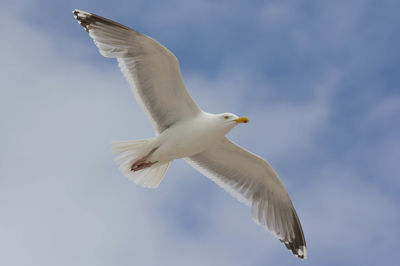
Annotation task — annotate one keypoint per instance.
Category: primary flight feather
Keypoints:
(183, 130)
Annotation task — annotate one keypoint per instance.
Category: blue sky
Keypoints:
(318, 79)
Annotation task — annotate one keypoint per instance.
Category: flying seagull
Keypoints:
(183, 130)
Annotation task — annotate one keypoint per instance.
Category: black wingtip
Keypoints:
(298, 251)
(298, 244)
(83, 18)
(86, 19)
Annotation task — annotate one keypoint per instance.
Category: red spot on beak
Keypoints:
(242, 120)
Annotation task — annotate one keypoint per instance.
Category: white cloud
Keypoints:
(63, 201)
(347, 217)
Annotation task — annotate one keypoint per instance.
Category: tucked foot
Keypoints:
(139, 166)
(141, 163)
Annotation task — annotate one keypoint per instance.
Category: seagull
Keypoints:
(183, 130)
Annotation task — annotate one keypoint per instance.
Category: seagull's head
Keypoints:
(229, 120)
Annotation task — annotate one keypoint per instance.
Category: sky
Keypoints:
(319, 80)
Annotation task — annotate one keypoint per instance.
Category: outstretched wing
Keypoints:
(151, 69)
(252, 180)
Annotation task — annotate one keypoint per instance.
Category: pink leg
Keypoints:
(141, 163)
(141, 166)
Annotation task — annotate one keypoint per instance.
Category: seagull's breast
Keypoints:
(186, 138)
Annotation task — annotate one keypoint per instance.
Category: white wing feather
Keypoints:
(151, 69)
(253, 181)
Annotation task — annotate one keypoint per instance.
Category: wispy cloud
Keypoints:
(319, 91)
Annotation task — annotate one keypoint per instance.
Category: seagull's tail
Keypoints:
(127, 152)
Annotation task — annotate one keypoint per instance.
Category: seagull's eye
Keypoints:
(226, 116)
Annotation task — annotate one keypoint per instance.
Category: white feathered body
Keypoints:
(187, 138)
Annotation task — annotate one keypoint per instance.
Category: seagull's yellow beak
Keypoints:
(242, 119)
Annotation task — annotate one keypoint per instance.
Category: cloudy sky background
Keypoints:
(318, 79)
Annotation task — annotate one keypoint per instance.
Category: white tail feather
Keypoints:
(127, 152)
